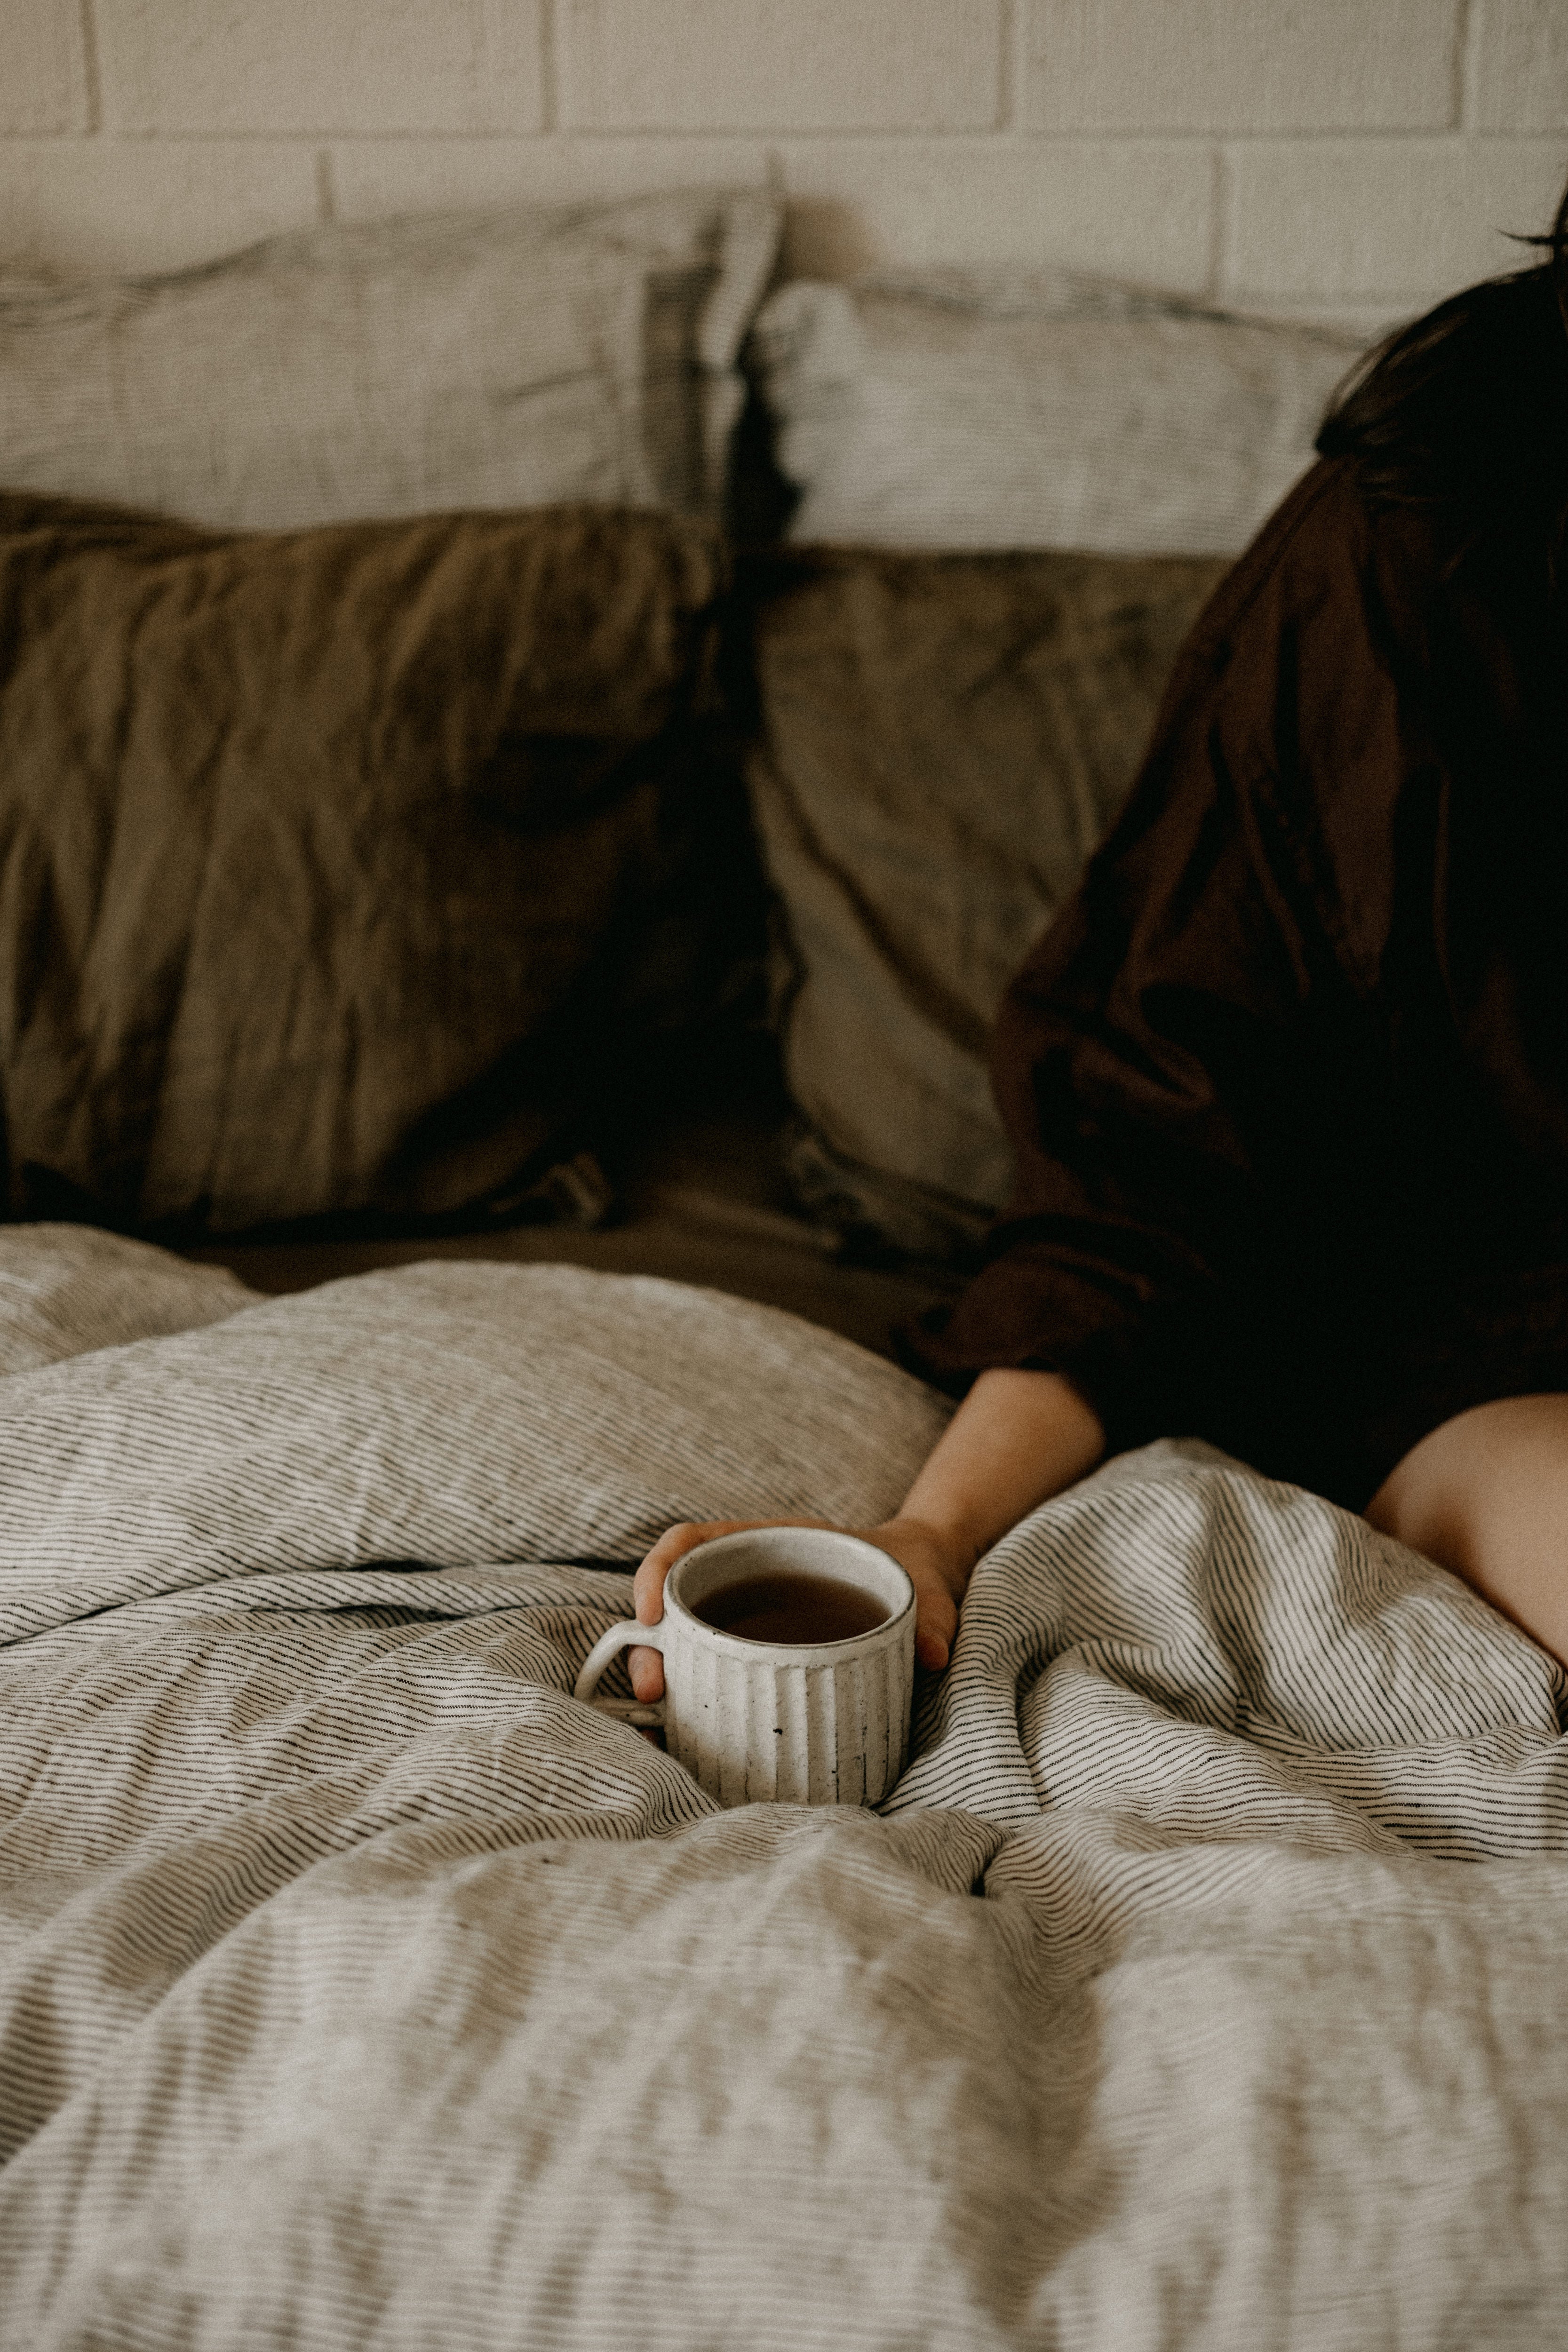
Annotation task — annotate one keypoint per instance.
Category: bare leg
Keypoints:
(1486, 1495)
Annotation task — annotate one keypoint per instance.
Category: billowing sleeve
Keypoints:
(1182, 1062)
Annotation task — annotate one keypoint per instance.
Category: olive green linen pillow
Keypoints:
(342, 871)
(943, 740)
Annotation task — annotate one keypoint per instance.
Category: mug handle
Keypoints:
(628, 1635)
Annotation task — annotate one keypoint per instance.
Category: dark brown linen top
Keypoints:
(1287, 1078)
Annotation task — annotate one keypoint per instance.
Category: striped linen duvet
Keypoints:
(1204, 1983)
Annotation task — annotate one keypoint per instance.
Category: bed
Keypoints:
(1200, 1984)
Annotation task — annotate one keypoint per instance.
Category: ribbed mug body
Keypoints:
(759, 1722)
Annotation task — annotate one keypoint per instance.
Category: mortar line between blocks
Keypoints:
(1010, 65)
(91, 71)
(1221, 200)
(549, 67)
(1470, 29)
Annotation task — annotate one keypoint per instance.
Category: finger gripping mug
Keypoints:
(778, 1721)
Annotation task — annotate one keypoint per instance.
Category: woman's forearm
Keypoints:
(1016, 1439)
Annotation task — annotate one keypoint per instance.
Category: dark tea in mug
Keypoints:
(794, 1610)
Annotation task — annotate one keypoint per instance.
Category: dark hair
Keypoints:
(1465, 412)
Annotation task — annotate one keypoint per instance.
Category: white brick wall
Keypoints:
(1521, 66)
(373, 177)
(1322, 220)
(1140, 209)
(43, 67)
(1267, 65)
(808, 65)
(1343, 157)
(178, 67)
(103, 204)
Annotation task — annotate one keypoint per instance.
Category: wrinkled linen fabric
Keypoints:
(1200, 1985)
(1014, 408)
(945, 740)
(347, 872)
(67, 1289)
(515, 357)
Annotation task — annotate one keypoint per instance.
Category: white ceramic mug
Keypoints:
(766, 1722)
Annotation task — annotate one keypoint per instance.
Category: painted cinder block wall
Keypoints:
(1349, 159)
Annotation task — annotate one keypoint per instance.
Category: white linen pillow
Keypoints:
(489, 360)
(1023, 410)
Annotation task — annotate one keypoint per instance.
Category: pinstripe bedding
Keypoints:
(1201, 1984)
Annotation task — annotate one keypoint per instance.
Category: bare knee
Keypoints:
(1486, 1496)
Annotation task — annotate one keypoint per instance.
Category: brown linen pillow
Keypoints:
(343, 869)
(943, 741)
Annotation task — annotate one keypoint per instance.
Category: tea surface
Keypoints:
(793, 1609)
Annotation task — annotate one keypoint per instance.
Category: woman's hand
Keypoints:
(1017, 1438)
(937, 1569)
